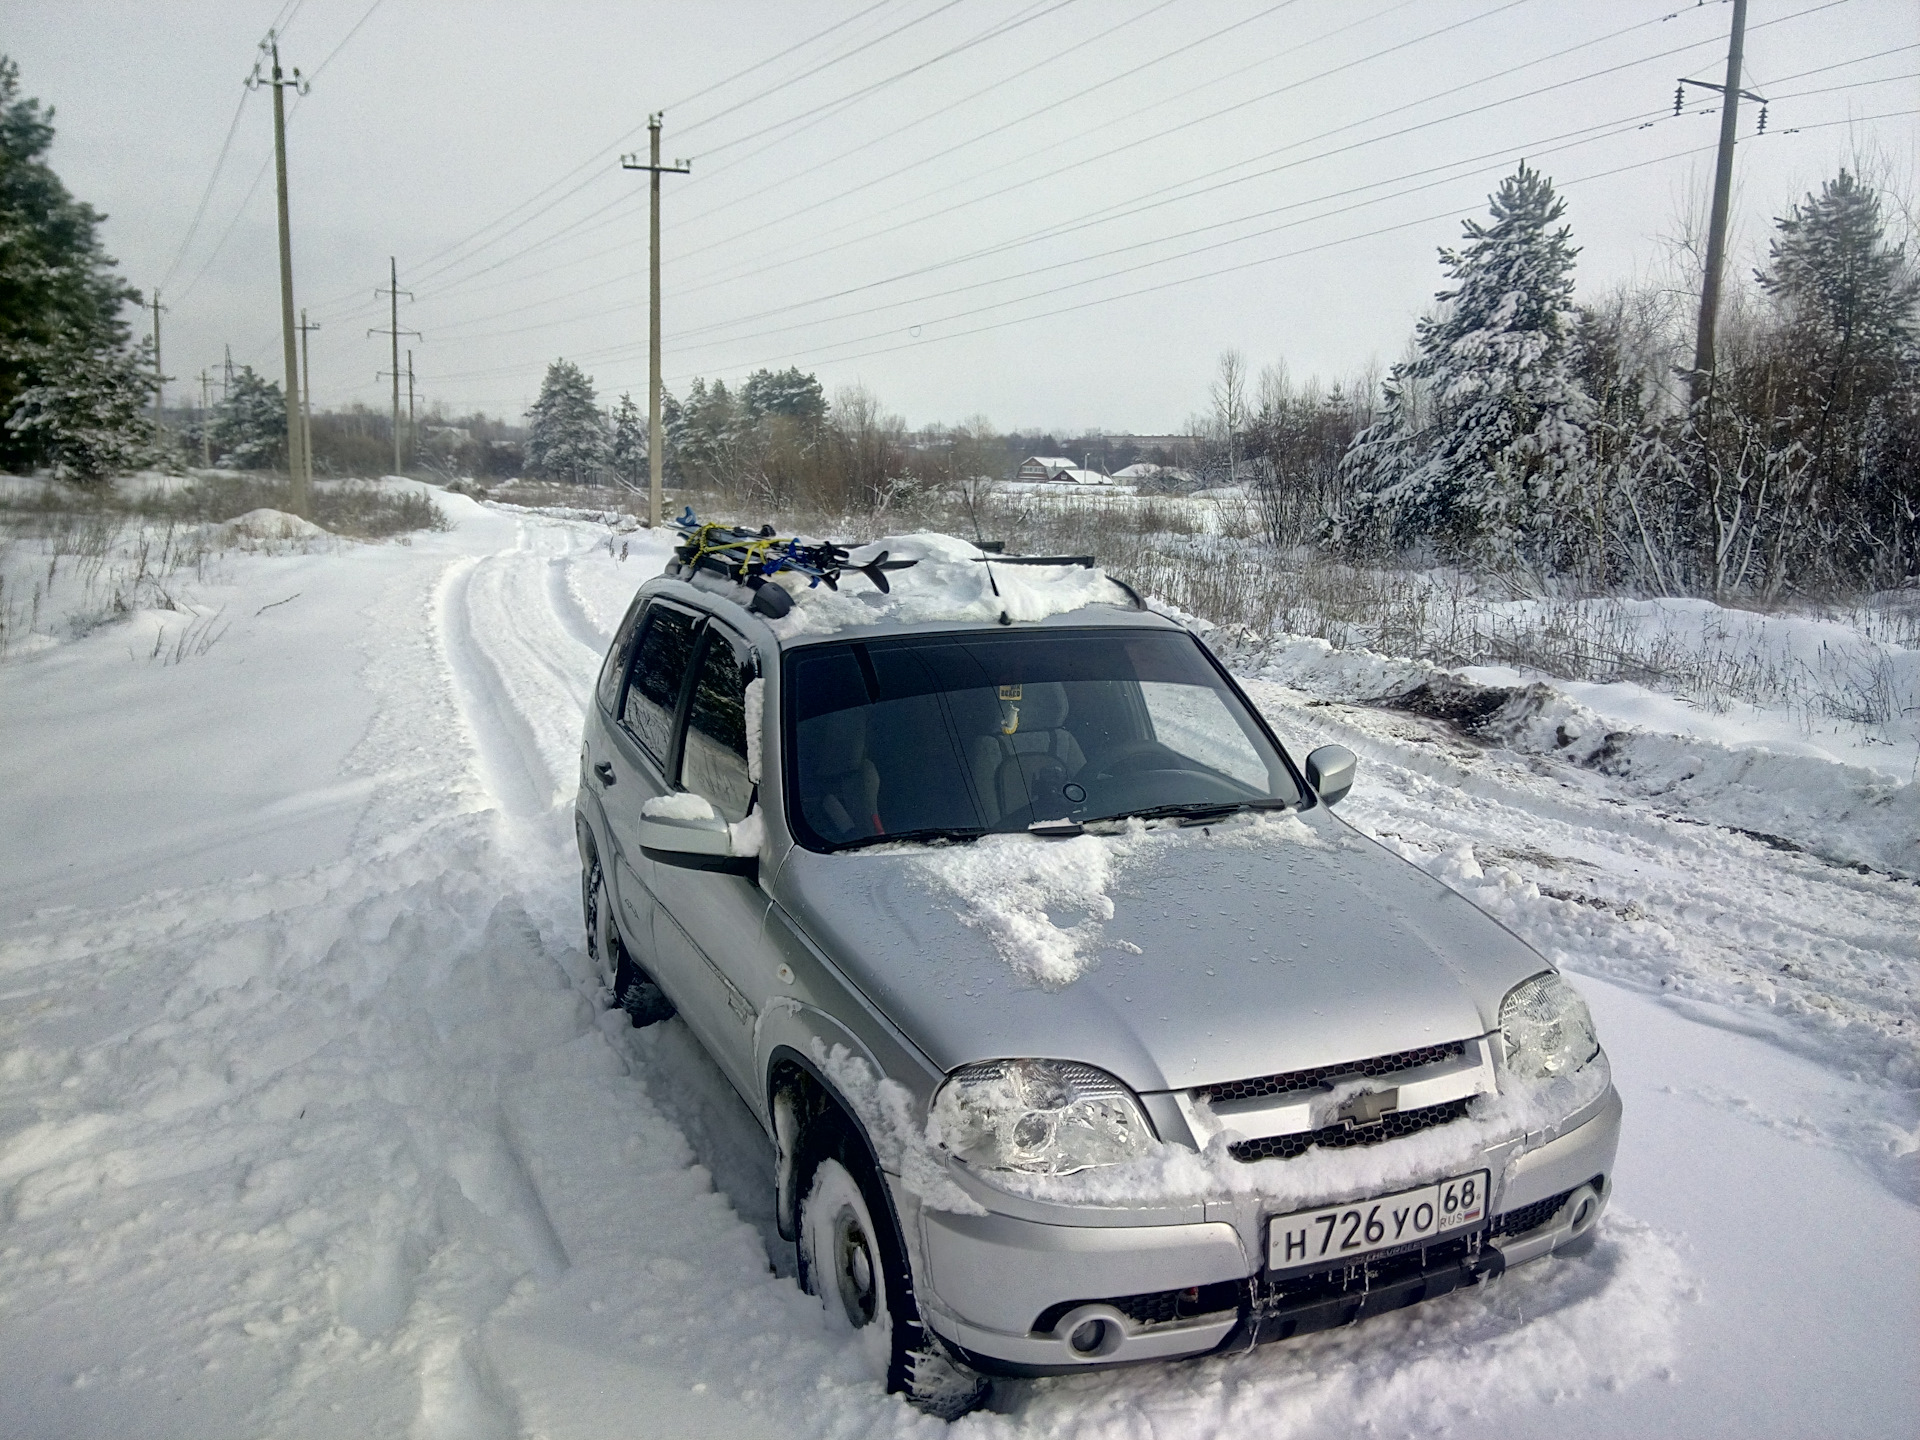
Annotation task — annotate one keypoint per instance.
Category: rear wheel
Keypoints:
(630, 987)
(851, 1257)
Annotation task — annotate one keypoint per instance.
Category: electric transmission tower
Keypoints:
(394, 292)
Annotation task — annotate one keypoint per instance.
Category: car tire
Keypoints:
(851, 1257)
(629, 987)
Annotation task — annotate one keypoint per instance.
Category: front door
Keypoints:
(709, 925)
(640, 753)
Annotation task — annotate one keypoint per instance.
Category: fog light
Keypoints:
(1092, 1332)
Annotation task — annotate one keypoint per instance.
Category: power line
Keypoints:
(941, 154)
(922, 119)
(1585, 135)
(262, 174)
(918, 120)
(345, 38)
(1609, 126)
(1089, 160)
(206, 196)
(1272, 259)
(1138, 204)
(983, 135)
(599, 155)
(940, 9)
(993, 32)
(731, 277)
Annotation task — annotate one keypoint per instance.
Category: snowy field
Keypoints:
(308, 1125)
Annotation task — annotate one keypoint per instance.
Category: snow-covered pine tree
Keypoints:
(1850, 301)
(628, 452)
(1502, 448)
(786, 392)
(250, 425)
(567, 434)
(73, 392)
(90, 411)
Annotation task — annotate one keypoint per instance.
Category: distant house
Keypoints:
(1043, 467)
(1148, 474)
(1053, 469)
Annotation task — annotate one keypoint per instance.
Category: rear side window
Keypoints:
(615, 670)
(659, 671)
(714, 763)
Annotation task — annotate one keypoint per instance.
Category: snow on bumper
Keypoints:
(1010, 1290)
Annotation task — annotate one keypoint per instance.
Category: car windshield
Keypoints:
(920, 737)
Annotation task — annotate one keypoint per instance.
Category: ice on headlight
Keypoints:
(1548, 1029)
(1042, 1117)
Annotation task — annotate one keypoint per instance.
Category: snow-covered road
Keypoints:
(308, 1126)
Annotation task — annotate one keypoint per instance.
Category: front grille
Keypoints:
(1263, 1086)
(1530, 1217)
(1391, 1126)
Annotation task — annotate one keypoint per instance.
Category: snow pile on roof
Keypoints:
(952, 581)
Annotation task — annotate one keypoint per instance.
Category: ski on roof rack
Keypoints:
(752, 557)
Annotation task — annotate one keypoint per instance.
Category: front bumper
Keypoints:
(1007, 1291)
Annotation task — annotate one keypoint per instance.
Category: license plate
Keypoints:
(1339, 1234)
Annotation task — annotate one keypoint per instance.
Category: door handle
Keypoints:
(605, 771)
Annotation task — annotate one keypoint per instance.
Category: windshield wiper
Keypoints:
(929, 832)
(1195, 810)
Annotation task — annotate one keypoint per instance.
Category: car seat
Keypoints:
(840, 789)
(1033, 755)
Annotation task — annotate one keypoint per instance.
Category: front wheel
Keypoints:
(850, 1256)
(631, 988)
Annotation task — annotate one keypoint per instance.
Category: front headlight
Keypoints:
(1547, 1028)
(1041, 1117)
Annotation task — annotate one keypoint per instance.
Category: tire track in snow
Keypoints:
(568, 610)
(506, 753)
(1821, 960)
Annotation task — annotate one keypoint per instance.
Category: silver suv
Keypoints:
(1084, 1032)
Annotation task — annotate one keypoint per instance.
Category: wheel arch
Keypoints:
(800, 1093)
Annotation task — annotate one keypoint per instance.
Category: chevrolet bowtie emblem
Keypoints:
(1367, 1109)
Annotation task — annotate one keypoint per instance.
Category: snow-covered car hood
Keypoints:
(1170, 956)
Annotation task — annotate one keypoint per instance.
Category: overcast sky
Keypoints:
(1055, 213)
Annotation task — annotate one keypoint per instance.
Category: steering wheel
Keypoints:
(1129, 756)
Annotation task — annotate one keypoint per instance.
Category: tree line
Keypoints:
(1533, 435)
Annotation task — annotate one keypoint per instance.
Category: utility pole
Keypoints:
(306, 389)
(226, 377)
(206, 420)
(297, 467)
(159, 380)
(679, 167)
(1701, 381)
(381, 375)
(394, 292)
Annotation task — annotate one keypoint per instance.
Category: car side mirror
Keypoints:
(685, 830)
(1330, 773)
